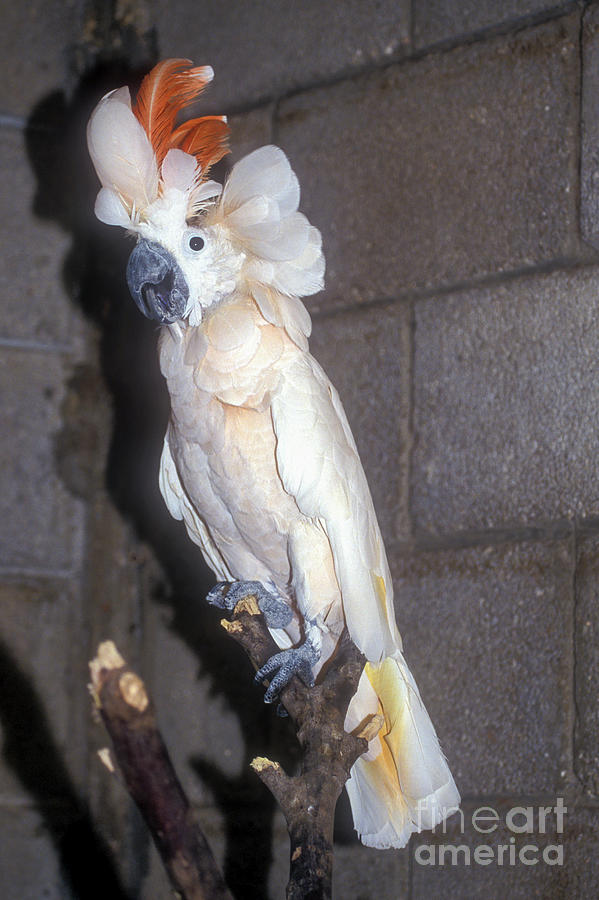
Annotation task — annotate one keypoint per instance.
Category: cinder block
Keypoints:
(262, 50)
(586, 754)
(43, 713)
(40, 522)
(249, 131)
(487, 634)
(33, 44)
(589, 151)
(505, 397)
(435, 21)
(362, 873)
(366, 355)
(442, 169)
(35, 302)
(533, 863)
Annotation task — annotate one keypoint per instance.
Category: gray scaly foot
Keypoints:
(287, 663)
(227, 594)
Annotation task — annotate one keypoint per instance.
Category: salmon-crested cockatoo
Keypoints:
(259, 460)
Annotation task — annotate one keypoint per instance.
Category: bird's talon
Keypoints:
(220, 596)
(296, 661)
(227, 594)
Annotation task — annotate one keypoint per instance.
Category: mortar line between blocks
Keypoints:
(555, 266)
(553, 530)
(408, 390)
(575, 718)
(509, 28)
(31, 344)
(577, 163)
(39, 574)
(572, 711)
(8, 120)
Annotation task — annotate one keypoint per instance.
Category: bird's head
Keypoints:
(197, 242)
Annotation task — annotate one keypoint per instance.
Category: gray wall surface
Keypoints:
(448, 150)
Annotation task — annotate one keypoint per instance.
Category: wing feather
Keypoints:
(319, 466)
(180, 507)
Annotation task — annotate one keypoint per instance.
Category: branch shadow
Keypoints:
(94, 276)
(29, 749)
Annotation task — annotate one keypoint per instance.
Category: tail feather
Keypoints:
(403, 783)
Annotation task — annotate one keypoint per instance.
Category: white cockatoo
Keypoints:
(259, 460)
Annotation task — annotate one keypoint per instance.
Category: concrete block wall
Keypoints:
(448, 151)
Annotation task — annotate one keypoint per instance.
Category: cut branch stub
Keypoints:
(129, 717)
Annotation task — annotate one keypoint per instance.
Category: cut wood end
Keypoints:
(108, 657)
(231, 627)
(247, 604)
(372, 727)
(106, 759)
(260, 763)
(133, 691)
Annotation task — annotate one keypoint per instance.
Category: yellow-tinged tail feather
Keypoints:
(403, 783)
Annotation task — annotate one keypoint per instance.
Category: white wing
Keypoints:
(319, 465)
(180, 507)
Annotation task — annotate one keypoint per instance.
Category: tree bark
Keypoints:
(143, 759)
(308, 799)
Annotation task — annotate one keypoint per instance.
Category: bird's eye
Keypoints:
(196, 242)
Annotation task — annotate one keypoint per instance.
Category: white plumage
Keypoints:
(259, 460)
(121, 152)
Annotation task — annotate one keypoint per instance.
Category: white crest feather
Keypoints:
(284, 252)
(109, 209)
(179, 170)
(121, 152)
(202, 193)
(265, 172)
(259, 204)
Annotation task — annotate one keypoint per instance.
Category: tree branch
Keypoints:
(307, 799)
(129, 717)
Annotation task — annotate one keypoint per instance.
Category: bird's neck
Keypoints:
(234, 355)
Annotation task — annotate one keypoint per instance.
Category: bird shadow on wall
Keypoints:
(94, 276)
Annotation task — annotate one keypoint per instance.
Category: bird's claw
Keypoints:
(286, 664)
(278, 614)
(227, 594)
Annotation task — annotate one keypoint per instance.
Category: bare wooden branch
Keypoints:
(129, 717)
(308, 799)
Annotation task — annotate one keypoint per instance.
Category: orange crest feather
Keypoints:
(164, 92)
(205, 138)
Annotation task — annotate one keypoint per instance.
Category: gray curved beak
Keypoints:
(156, 282)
